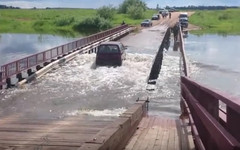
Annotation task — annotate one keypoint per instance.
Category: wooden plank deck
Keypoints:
(156, 133)
(18, 133)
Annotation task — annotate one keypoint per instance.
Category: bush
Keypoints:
(38, 24)
(106, 12)
(135, 12)
(96, 23)
(123, 8)
(64, 21)
(224, 17)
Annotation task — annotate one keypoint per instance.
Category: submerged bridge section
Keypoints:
(209, 119)
(203, 125)
(17, 71)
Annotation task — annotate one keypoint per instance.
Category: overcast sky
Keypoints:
(99, 3)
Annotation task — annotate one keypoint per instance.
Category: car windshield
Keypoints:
(108, 49)
(183, 19)
(183, 16)
(146, 21)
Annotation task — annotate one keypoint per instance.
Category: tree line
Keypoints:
(8, 7)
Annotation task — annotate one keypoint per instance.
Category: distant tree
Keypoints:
(8, 7)
(123, 8)
(135, 12)
(96, 23)
(106, 12)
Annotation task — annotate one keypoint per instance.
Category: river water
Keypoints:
(16, 46)
(215, 61)
(79, 87)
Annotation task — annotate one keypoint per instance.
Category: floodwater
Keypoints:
(215, 61)
(16, 46)
(79, 87)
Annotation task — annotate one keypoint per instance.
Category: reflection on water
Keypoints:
(16, 46)
(216, 60)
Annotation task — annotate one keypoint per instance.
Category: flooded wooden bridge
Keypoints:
(202, 125)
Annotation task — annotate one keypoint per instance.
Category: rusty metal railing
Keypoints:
(212, 128)
(203, 105)
(15, 67)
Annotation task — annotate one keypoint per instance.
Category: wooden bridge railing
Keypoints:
(15, 67)
(212, 127)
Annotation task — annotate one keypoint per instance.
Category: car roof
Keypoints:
(111, 43)
(183, 13)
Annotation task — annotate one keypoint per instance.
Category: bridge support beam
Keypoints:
(30, 72)
(46, 63)
(19, 77)
(176, 42)
(176, 45)
(1, 86)
(38, 67)
(9, 83)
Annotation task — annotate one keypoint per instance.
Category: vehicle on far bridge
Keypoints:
(183, 22)
(183, 19)
(183, 15)
(155, 17)
(110, 53)
(165, 12)
(161, 10)
(146, 23)
(171, 9)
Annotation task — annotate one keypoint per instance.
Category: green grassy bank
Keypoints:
(219, 21)
(53, 21)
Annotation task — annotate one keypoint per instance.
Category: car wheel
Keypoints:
(120, 63)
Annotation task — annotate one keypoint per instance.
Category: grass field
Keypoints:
(220, 21)
(52, 21)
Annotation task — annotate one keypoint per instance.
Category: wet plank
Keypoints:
(156, 133)
(18, 133)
